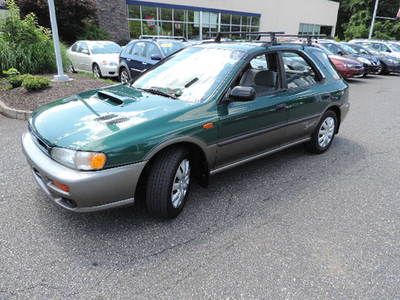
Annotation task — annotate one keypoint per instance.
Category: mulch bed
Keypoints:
(19, 98)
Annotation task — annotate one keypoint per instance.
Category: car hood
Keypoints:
(109, 57)
(88, 118)
(344, 60)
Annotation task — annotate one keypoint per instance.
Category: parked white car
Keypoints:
(99, 57)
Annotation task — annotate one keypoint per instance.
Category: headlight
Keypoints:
(364, 60)
(109, 63)
(86, 161)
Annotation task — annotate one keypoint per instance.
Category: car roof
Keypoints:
(252, 46)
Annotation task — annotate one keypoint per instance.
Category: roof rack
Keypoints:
(274, 35)
(271, 34)
(167, 37)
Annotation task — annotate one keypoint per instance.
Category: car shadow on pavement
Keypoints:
(248, 193)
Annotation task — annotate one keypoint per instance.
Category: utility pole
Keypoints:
(371, 30)
(54, 31)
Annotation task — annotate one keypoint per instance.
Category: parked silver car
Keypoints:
(99, 57)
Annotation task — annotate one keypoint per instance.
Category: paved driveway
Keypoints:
(292, 225)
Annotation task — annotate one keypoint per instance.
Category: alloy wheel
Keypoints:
(181, 182)
(326, 132)
(124, 76)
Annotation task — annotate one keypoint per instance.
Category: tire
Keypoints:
(124, 76)
(384, 71)
(161, 194)
(96, 71)
(70, 67)
(321, 142)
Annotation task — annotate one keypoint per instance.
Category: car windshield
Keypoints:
(395, 47)
(360, 49)
(348, 49)
(105, 48)
(170, 47)
(190, 75)
(335, 49)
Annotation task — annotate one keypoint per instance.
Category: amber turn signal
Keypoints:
(61, 186)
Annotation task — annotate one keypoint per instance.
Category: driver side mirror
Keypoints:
(389, 51)
(341, 53)
(155, 57)
(242, 93)
(85, 51)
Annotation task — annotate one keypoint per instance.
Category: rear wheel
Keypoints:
(324, 134)
(96, 71)
(168, 183)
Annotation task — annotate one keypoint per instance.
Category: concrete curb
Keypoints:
(14, 113)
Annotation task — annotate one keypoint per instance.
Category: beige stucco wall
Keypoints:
(276, 15)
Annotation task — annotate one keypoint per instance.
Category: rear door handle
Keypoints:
(280, 107)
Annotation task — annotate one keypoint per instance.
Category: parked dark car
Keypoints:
(390, 63)
(139, 55)
(371, 64)
(206, 109)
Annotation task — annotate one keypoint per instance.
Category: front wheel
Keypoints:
(168, 183)
(96, 71)
(324, 134)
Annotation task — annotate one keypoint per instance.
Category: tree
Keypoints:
(72, 15)
(355, 17)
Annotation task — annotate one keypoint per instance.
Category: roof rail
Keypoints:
(305, 36)
(167, 37)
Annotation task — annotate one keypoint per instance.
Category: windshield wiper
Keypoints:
(158, 92)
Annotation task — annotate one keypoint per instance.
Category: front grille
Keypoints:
(40, 142)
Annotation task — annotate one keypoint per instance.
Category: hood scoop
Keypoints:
(113, 98)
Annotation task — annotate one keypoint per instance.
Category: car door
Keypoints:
(85, 57)
(136, 58)
(254, 127)
(306, 94)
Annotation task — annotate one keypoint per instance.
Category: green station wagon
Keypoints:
(203, 110)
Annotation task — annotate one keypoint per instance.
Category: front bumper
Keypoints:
(393, 68)
(109, 71)
(373, 69)
(88, 190)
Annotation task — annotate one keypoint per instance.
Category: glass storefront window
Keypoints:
(150, 20)
(166, 14)
(149, 12)
(166, 28)
(179, 15)
(255, 21)
(134, 11)
(236, 19)
(225, 19)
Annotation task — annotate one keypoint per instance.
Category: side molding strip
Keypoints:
(251, 158)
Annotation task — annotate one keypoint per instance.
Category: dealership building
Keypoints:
(198, 19)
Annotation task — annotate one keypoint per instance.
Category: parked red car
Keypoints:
(348, 68)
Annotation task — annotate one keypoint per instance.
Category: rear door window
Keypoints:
(298, 72)
(139, 49)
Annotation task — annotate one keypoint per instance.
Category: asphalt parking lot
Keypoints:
(292, 225)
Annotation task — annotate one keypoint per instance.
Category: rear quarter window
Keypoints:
(325, 61)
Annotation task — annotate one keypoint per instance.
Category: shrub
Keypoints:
(11, 72)
(91, 31)
(16, 81)
(35, 83)
(70, 13)
(25, 45)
